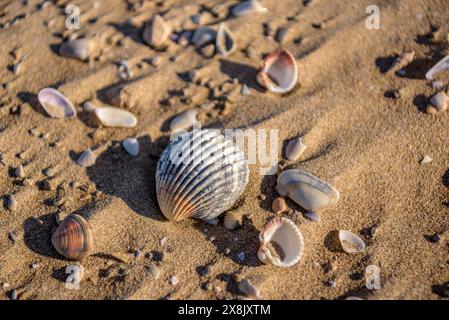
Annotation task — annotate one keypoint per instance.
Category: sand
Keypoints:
(366, 144)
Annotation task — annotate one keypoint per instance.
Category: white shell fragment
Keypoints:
(200, 174)
(426, 159)
(56, 104)
(131, 145)
(350, 242)
(295, 149)
(87, 159)
(184, 120)
(225, 41)
(249, 6)
(248, 289)
(157, 32)
(308, 191)
(76, 49)
(442, 65)
(287, 237)
(115, 117)
(440, 101)
(279, 72)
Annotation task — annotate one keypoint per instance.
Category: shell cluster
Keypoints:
(200, 174)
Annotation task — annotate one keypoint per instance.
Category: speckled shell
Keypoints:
(73, 238)
(200, 174)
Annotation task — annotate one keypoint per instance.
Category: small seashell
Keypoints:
(56, 104)
(19, 172)
(184, 120)
(11, 203)
(295, 149)
(426, 159)
(279, 205)
(245, 90)
(76, 49)
(250, 291)
(442, 65)
(440, 101)
(115, 117)
(249, 6)
(308, 191)
(87, 159)
(225, 41)
(174, 280)
(203, 36)
(73, 238)
(200, 174)
(287, 237)
(350, 242)
(157, 32)
(402, 61)
(233, 220)
(279, 72)
(131, 145)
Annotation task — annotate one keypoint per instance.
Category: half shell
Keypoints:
(200, 174)
(115, 117)
(225, 41)
(350, 242)
(73, 238)
(305, 189)
(56, 104)
(246, 7)
(287, 237)
(279, 72)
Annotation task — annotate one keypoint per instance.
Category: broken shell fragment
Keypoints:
(287, 240)
(248, 289)
(56, 104)
(184, 120)
(295, 149)
(440, 101)
(233, 220)
(225, 41)
(442, 65)
(249, 6)
(157, 32)
(76, 49)
(87, 159)
(115, 117)
(73, 238)
(350, 242)
(279, 72)
(131, 145)
(308, 191)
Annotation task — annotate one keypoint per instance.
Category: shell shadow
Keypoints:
(331, 241)
(129, 30)
(37, 235)
(385, 63)
(244, 73)
(421, 102)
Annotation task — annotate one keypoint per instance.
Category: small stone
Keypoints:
(12, 236)
(13, 295)
(87, 159)
(137, 253)
(227, 251)
(332, 284)
(20, 172)
(241, 256)
(174, 280)
(49, 172)
(11, 203)
(249, 290)
(281, 35)
(194, 75)
(131, 145)
(279, 205)
(156, 61)
(153, 271)
(426, 159)
(437, 85)
(35, 266)
(312, 216)
(245, 90)
(435, 238)
(208, 51)
(163, 241)
(440, 101)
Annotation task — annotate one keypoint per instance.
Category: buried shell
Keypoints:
(308, 191)
(279, 72)
(249, 6)
(225, 41)
(157, 32)
(287, 237)
(115, 117)
(56, 104)
(201, 174)
(350, 242)
(73, 238)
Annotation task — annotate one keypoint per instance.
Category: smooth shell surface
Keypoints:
(131, 145)
(308, 191)
(115, 117)
(200, 174)
(286, 235)
(225, 41)
(295, 149)
(442, 65)
(184, 120)
(87, 159)
(279, 72)
(350, 242)
(76, 49)
(249, 6)
(56, 104)
(73, 238)
(156, 32)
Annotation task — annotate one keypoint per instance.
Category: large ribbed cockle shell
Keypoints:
(201, 174)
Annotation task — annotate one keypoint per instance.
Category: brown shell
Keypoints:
(73, 238)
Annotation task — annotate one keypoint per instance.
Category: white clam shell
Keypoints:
(279, 72)
(56, 104)
(308, 191)
(87, 159)
(225, 41)
(76, 49)
(184, 120)
(249, 6)
(131, 145)
(157, 32)
(200, 174)
(442, 65)
(287, 236)
(350, 242)
(115, 117)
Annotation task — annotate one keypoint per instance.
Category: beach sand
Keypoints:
(366, 144)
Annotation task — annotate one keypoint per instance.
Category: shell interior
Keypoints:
(225, 42)
(279, 72)
(56, 104)
(350, 242)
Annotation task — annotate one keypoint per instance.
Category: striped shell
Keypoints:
(200, 174)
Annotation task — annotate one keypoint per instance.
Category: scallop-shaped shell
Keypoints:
(249, 6)
(200, 174)
(285, 234)
(308, 191)
(279, 72)
(225, 41)
(115, 117)
(73, 238)
(442, 65)
(350, 242)
(56, 104)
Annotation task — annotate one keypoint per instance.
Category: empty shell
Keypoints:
(56, 104)
(76, 49)
(225, 41)
(200, 174)
(249, 6)
(308, 191)
(442, 65)
(350, 242)
(157, 32)
(279, 72)
(73, 238)
(285, 236)
(115, 117)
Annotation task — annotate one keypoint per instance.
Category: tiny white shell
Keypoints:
(308, 191)
(295, 149)
(248, 6)
(350, 242)
(442, 65)
(287, 236)
(87, 159)
(115, 117)
(76, 49)
(131, 145)
(184, 120)
(225, 41)
(279, 72)
(56, 104)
